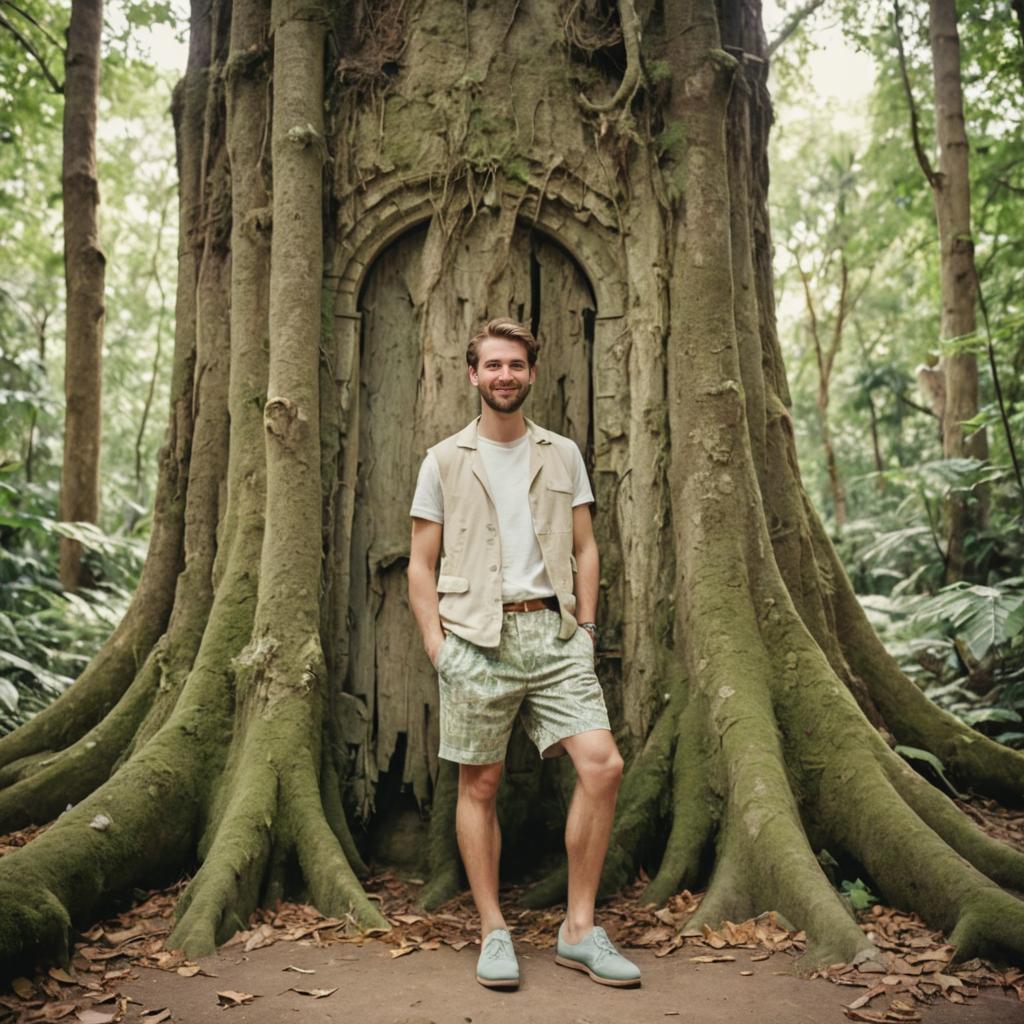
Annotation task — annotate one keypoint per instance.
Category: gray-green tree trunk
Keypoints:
(423, 167)
(84, 265)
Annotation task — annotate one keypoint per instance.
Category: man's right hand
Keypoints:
(434, 648)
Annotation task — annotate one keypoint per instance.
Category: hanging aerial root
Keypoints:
(633, 77)
(994, 859)
(693, 811)
(442, 844)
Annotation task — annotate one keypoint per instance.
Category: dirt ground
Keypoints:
(292, 963)
(438, 987)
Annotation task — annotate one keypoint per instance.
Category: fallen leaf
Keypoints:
(229, 998)
(866, 998)
(409, 918)
(101, 823)
(316, 993)
(189, 970)
(401, 951)
(746, 974)
(711, 959)
(298, 970)
(95, 1017)
(155, 1016)
(431, 944)
(58, 974)
(760, 956)
(23, 987)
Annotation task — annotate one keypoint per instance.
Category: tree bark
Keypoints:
(347, 220)
(958, 276)
(84, 266)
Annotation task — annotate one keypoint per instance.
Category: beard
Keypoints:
(505, 403)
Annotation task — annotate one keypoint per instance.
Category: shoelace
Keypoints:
(499, 948)
(603, 943)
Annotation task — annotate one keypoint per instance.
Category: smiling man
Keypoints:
(509, 625)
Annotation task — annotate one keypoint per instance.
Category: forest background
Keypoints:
(857, 277)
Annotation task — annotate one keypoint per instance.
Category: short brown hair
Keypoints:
(503, 327)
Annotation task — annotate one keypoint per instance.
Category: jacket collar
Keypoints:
(467, 437)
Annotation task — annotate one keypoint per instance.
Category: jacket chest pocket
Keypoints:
(555, 513)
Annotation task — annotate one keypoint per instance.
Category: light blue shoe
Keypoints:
(596, 955)
(497, 966)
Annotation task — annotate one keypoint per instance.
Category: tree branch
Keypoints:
(922, 157)
(31, 50)
(990, 348)
(42, 28)
(792, 23)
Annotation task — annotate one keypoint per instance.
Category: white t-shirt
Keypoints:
(507, 465)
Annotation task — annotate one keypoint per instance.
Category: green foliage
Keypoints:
(926, 757)
(47, 636)
(848, 196)
(857, 894)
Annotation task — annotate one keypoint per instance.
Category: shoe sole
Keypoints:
(614, 982)
(497, 982)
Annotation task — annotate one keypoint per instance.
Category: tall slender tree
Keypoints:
(954, 392)
(360, 187)
(84, 265)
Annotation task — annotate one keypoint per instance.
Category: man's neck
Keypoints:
(503, 427)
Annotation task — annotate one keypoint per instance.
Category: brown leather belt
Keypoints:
(535, 604)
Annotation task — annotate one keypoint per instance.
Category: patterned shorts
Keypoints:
(550, 683)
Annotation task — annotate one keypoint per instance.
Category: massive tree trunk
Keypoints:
(958, 276)
(279, 721)
(84, 266)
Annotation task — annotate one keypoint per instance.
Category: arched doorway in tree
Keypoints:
(417, 314)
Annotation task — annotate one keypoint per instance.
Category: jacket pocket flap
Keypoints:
(452, 584)
(561, 485)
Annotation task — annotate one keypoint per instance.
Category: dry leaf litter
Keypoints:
(917, 967)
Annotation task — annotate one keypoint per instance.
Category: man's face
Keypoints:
(503, 375)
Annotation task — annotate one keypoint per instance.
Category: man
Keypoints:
(511, 632)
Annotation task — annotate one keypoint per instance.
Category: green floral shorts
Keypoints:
(550, 683)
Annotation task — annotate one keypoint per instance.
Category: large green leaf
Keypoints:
(928, 758)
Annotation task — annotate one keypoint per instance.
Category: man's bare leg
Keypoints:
(479, 837)
(588, 826)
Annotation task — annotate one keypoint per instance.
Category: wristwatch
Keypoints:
(591, 628)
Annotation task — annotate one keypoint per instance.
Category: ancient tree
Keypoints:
(264, 710)
(84, 273)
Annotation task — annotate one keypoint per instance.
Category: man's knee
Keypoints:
(479, 782)
(601, 773)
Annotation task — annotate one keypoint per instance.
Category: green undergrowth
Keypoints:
(962, 643)
(47, 636)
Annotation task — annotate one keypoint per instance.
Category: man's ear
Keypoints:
(474, 378)
(533, 373)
